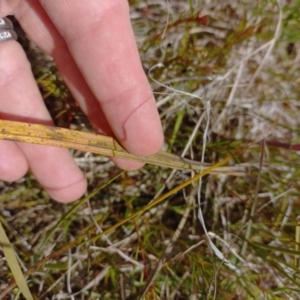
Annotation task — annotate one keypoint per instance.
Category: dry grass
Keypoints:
(230, 76)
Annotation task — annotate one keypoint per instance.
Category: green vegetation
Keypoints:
(226, 73)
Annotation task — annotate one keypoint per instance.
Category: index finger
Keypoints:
(101, 40)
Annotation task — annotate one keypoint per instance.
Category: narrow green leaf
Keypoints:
(57, 266)
(13, 264)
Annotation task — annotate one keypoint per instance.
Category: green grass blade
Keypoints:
(13, 264)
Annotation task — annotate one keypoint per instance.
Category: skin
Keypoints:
(94, 47)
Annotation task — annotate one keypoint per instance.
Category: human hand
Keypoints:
(94, 47)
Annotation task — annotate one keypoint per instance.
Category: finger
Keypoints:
(13, 163)
(102, 43)
(7, 7)
(40, 29)
(20, 99)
